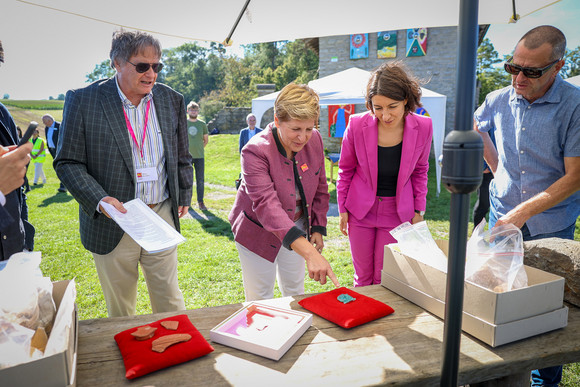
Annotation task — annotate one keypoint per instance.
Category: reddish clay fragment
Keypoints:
(144, 332)
(171, 325)
(162, 343)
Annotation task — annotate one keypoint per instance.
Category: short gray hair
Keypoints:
(537, 36)
(129, 43)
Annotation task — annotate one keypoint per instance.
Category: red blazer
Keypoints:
(263, 212)
(356, 185)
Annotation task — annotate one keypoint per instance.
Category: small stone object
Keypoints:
(171, 325)
(345, 298)
(162, 343)
(144, 333)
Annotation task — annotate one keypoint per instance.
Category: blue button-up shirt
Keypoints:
(532, 140)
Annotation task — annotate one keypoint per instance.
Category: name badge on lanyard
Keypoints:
(146, 174)
(130, 128)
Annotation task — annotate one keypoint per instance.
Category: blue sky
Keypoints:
(48, 53)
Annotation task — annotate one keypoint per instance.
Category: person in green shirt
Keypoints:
(198, 139)
(38, 155)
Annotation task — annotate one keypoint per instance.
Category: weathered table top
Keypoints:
(404, 348)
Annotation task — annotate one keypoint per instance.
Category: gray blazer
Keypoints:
(94, 156)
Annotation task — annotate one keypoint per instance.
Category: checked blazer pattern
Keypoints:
(94, 156)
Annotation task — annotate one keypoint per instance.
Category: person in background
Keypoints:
(536, 165)
(481, 207)
(382, 175)
(38, 155)
(51, 132)
(198, 139)
(125, 138)
(26, 185)
(247, 133)
(279, 214)
(13, 162)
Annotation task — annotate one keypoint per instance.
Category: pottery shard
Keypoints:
(144, 332)
(560, 257)
(171, 325)
(162, 343)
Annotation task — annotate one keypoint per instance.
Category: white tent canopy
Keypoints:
(574, 80)
(349, 87)
(268, 20)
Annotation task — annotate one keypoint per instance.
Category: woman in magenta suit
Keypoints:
(382, 176)
(279, 215)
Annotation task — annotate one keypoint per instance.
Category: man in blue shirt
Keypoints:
(537, 163)
(247, 133)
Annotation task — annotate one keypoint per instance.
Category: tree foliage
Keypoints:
(572, 66)
(490, 77)
(214, 80)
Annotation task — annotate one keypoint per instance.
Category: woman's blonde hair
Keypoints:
(297, 102)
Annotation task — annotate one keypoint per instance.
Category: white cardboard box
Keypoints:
(544, 293)
(60, 368)
(262, 329)
(492, 334)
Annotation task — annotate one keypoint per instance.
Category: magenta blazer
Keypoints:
(263, 212)
(356, 185)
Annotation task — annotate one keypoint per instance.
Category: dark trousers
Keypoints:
(482, 204)
(199, 166)
(53, 154)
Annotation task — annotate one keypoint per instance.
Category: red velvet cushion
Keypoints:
(140, 360)
(349, 315)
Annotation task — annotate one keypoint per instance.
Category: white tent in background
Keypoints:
(574, 80)
(349, 87)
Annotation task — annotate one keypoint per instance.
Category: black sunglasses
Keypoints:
(530, 72)
(144, 67)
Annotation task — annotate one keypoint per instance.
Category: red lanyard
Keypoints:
(144, 128)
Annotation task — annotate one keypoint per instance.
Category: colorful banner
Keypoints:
(338, 119)
(359, 46)
(417, 42)
(387, 44)
(422, 112)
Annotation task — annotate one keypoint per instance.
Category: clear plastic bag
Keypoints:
(495, 258)
(25, 295)
(415, 241)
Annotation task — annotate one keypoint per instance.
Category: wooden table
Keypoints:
(404, 348)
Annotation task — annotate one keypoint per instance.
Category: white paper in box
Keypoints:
(544, 293)
(262, 329)
(58, 368)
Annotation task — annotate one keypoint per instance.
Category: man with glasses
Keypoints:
(537, 163)
(124, 138)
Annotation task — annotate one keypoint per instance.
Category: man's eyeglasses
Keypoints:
(144, 67)
(530, 72)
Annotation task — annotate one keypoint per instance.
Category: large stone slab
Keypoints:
(560, 257)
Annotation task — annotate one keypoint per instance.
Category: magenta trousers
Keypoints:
(368, 237)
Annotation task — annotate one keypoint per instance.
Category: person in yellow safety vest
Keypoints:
(38, 155)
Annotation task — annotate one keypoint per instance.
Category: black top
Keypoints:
(389, 162)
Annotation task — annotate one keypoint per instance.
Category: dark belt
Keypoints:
(152, 205)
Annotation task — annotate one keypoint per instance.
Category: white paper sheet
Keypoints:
(146, 228)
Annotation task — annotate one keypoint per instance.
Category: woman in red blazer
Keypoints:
(279, 215)
(382, 176)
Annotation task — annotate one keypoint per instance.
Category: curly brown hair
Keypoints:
(393, 80)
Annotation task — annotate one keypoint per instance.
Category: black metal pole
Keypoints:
(461, 175)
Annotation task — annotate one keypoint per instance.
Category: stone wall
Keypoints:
(438, 67)
(230, 120)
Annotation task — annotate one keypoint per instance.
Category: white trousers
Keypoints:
(39, 173)
(119, 273)
(259, 274)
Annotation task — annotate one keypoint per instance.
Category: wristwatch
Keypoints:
(422, 213)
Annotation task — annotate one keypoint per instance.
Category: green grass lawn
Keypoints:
(209, 269)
